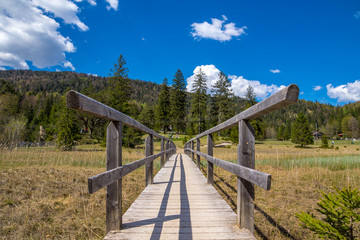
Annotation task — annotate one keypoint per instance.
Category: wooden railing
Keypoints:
(247, 176)
(115, 170)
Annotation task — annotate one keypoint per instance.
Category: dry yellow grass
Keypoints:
(43, 192)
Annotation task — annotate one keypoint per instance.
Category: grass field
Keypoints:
(43, 191)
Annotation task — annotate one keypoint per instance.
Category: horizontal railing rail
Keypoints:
(281, 99)
(112, 178)
(245, 169)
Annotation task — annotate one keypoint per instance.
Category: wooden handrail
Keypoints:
(244, 170)
(261, 179)
(281, 99)
(112, 178)
(101, 180)
(80, 102)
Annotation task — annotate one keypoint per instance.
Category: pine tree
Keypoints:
(300, 132)
(198, 101)
(163, 107)
(223, 98)
(68, 131)
(341, 211)
(178, 102)
(280, 132)
(119, 90)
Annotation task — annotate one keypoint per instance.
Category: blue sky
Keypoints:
(265, 44)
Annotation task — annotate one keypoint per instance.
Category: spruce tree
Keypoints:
(341, 215)
(178, 102)
(119, 90)
(223, 97)
(300, 132)
(163, 107)
(198, 101)
(68, 130)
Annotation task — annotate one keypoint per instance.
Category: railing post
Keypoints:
(161, 150)
(149, 150)
(113, 160)
(167, 147)
(210, 165)
(245, 190)
(198, 149)
(192, 153)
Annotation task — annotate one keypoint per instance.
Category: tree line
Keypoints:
(32, 108)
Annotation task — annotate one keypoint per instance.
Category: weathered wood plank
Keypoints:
(162, 148)
(261, 179)
(210, 165)
(282, 98)
(113, 160)
(80, 102)
(245, 189)
(149, 169)
(198, 149)
(101, 180)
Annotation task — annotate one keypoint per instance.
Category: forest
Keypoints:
(33, 108)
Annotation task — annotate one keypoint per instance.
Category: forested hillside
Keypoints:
(30, 99)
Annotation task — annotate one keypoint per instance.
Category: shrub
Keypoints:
(341, 212)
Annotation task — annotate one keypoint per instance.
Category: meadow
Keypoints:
(43, 191)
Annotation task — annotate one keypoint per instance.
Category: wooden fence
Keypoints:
(247, 176)
(115, 170)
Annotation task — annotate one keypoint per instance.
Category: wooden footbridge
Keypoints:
(179, 202)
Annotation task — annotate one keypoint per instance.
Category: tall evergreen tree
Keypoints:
(178, 102)
(163, 107)
(198, 101)
(300, 132)
(119, 90)
(223, 97)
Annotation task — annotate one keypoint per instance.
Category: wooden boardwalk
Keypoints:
(179, 205)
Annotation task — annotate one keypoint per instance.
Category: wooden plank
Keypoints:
(80, 102)
(192, 153)
(210, 165)
(149, 169)
(113, 160)
(101, 180)
(162, 146)
(261, 179)
(174, 208)
(245, 189)
(282, 98)
(198, 149)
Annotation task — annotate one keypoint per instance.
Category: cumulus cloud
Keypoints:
(317, 88)
(29, 32)
(345, 93)
(275, 70)
(113, 4)
(239, 83)
(217, 30)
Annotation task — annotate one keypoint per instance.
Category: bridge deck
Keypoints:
(179, 205)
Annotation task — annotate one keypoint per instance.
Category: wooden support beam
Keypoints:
(162, 148)
(198, 149)
(245, 189)
(261, 179)
(113, 160)
(210, 165)
(192, 153)
(149, 169)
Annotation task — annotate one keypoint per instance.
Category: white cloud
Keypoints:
(113, 4)
(345, 93)
(275, 70)
(217, 30)
(68, 64)
(239, 83)
(143, 39)
(317, 88)
(92, 2)
(357, 15)
(2, 69)
(93, 74)
(211, 73)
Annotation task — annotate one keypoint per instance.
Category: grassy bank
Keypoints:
(43, 191)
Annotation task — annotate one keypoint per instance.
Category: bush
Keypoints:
(341, 213)
(184, 140)
(324, 141)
